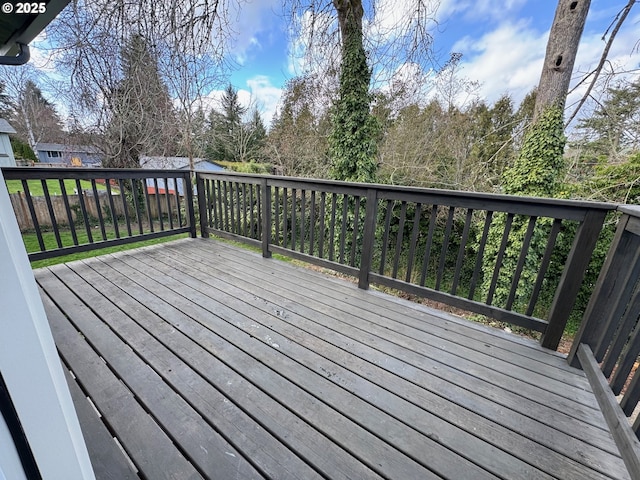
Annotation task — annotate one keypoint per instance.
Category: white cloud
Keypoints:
(253, 19)
(507, 59)
(265, 95)
(474, 11)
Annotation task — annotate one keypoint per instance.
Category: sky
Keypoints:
(502, 43)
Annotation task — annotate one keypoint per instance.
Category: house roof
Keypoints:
(61, 147)
(19, 28)
(177, 163)
(5, 127)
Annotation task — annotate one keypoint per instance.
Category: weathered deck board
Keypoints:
(252, 366)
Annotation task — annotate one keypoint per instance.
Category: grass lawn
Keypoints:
(35, 186)
(31, 244)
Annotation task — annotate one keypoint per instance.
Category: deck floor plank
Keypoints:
(223, 387)
(455, 365)
(247, 365)
(329, 408)
(572, 446)
(131, 423)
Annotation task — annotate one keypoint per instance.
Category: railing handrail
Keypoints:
(494, 198)
(81, 173)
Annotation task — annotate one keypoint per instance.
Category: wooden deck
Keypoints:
(205, 360)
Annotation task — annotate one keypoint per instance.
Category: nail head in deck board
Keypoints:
(350, 297)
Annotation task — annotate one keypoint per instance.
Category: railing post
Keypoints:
(572, 276)
(188, 189)
(369, 238)
(266, 218)
(202, 205)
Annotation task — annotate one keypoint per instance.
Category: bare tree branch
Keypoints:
(621, 17)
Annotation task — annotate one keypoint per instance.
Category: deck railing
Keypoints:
(607, 345)
(79, 209)
(448, 246)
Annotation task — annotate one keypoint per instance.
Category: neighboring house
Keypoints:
(174, 163)
(70, 155)
(6, 152)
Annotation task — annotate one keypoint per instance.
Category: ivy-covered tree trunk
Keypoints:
(537, 170)
(352, 142)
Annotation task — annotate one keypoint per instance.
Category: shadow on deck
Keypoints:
(205, 360)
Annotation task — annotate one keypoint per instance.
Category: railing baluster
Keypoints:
(52, 215)
(34, 217)
(276, 198)
(67, 209)
(147, 202)
(96, 197)
(125, 205)
(321, 235)
(356, 230)
(112, 207)
(312, 222)
(85, 215)
(461, 250)
(332, 226)
(433, 218)
(480, 255)
(544, 265)
(414, 241)
(524, 250)
(303, 218)
(399, 239)
(294, 215)
(499, 257)
(285, 217)
(389, 206)
(445, 248)
(624, 339)
(343, 229)
(167, 197)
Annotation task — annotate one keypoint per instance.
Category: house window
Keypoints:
(52, 154)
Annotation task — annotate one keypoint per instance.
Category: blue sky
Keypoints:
(502, 41)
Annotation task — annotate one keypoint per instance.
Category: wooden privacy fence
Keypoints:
(58, 204)
(107, 207)
(516, 259)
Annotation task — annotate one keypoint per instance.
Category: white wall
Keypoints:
(30, 365)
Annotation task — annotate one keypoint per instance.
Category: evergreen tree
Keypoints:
(226, 130)
(142, 121)
(614, 126)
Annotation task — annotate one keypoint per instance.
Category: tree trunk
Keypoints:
(350, 14)
(562, 48)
